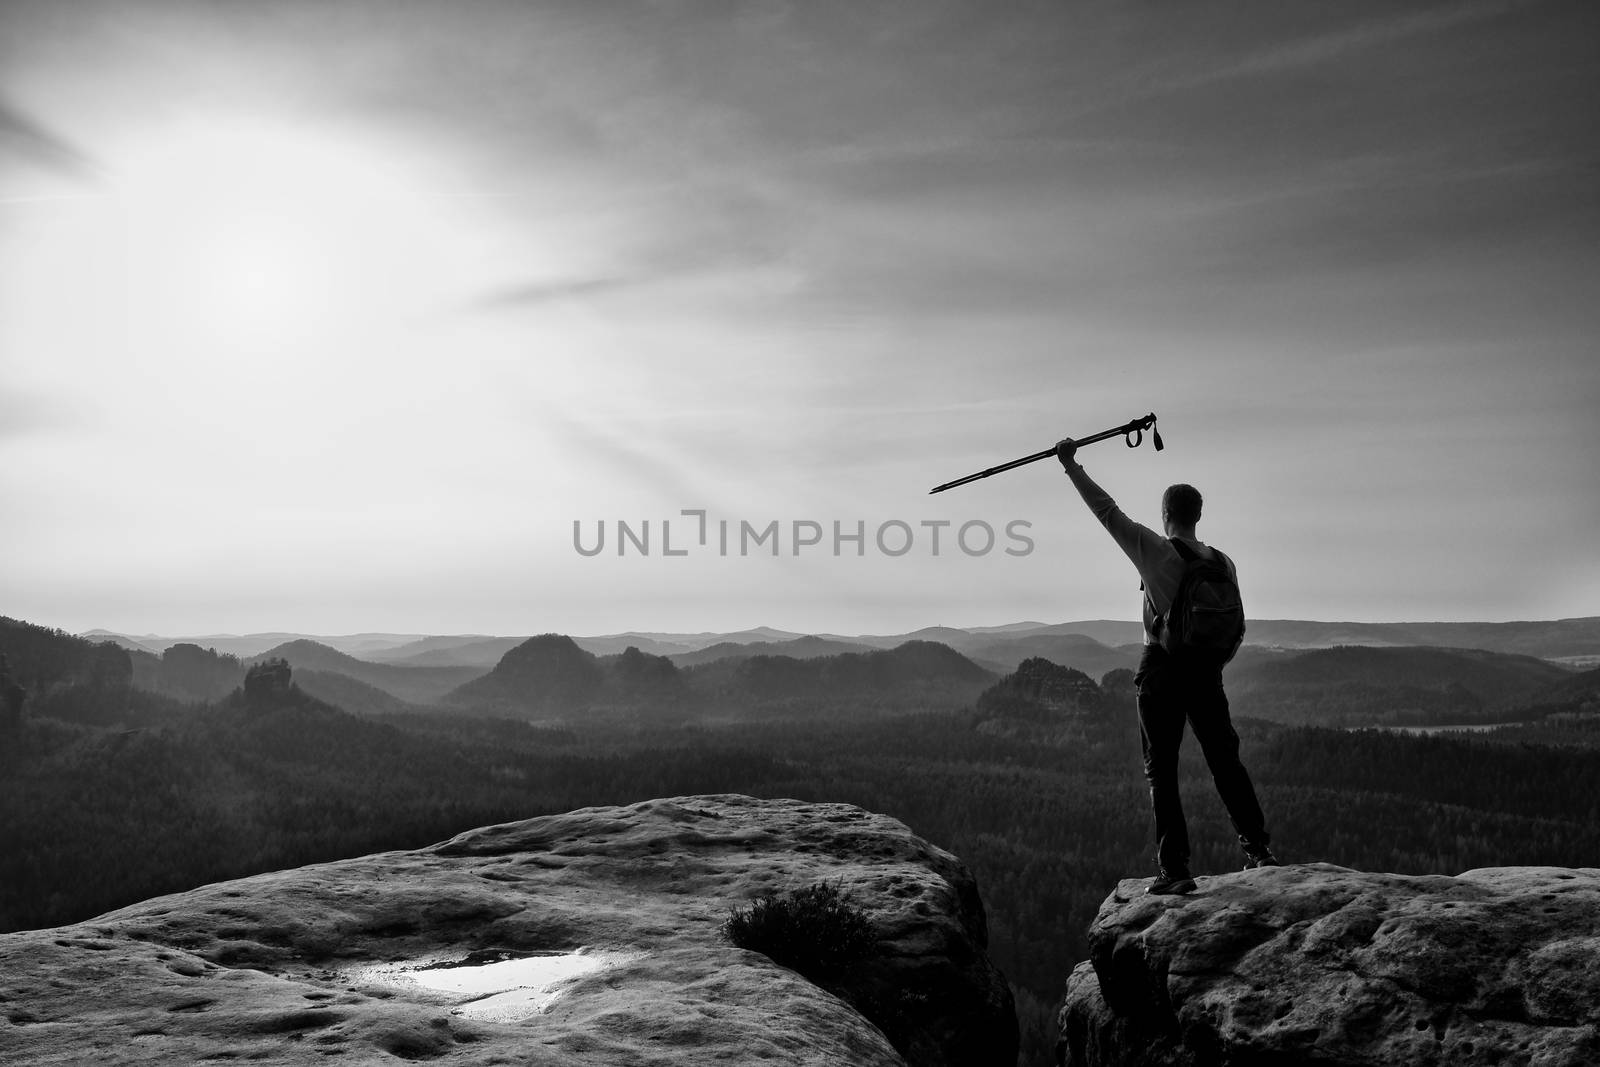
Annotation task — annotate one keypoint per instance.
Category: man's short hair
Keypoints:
(1181, 504)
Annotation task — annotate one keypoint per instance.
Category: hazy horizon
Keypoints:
(337, 317)
(668, 631)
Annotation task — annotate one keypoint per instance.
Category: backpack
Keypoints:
(1206, 623)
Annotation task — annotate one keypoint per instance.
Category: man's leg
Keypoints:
(1160, 732)
(1213, 728)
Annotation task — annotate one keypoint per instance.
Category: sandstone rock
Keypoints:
(299, 966)
(1318, 964)
(267, 682)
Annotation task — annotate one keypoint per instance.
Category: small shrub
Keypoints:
(810, 930)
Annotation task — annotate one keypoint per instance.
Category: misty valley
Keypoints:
(130, 769)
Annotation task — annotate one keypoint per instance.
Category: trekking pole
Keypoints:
(1132, 432)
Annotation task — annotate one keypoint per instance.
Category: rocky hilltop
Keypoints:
(1318, 964)
(594, 937)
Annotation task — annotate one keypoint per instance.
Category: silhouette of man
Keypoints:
(1171, 691)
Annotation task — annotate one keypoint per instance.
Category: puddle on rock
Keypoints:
(495, 986)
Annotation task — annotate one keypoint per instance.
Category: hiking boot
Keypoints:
(1170, 882)
(1259, 856)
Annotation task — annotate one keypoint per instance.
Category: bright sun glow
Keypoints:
(224, 268)
(288, 304)
(259, 237)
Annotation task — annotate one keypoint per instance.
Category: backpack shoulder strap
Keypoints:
(1182, 548)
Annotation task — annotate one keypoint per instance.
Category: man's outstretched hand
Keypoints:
(1066, 449)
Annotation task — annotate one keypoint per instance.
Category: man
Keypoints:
(1172, 690)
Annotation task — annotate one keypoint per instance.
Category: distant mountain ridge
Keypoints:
(1294, 671)
(912, 672)
(246, 645)
(1003, 646)
(552, 675)
(1550, 639)
(420, 685)
(473, 651)
(798, 648)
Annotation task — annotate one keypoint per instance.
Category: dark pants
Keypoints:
(1169, 693)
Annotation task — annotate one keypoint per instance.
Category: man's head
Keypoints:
(1180, 509)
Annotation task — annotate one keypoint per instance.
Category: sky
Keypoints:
(365, 315)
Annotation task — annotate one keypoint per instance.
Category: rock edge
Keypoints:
(1318, 964)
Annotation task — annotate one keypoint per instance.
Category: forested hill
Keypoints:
(914, 675)
(1574, 692)
(42, 658)
(546, 675)
(53, 674)
(1358, 686)
(1492, 675)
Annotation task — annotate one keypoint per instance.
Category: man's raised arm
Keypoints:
(1148, 550)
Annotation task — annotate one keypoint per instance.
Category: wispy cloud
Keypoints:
(714, 225)
(536, 294)
(1338, 44)
(36, 142)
